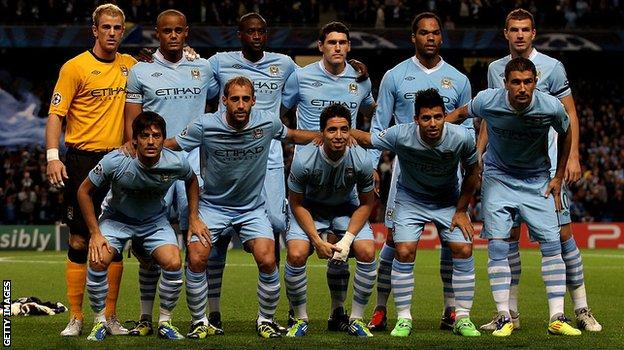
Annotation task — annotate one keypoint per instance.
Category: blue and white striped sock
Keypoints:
(169, 290)
(383, 274)
(575, 279)
(268, 295)
(338, 283)
(499, 274)
(148, 283)
(516, 269)
(403, 287)
(463, 286)
(446, 274)
(214, 275)
(296, 289)
(363, 282)
(554, 276)
(196, 292)
(97, 289)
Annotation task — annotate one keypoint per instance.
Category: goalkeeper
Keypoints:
(322, 196)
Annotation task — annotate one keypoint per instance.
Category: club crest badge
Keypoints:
(353, 88)
(165, 177)
(447, 83)
(124, 70)
(258, 133)
(274, 70)
(195, 73)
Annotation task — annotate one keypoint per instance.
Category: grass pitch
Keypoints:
(42, 275)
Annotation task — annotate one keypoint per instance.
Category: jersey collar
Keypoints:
(425, 69)
(332, 76)
(331, 162)
(242, 57)
(159, 56)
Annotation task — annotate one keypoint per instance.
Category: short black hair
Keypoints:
(429, 98)
(338, 27)
(146, 119)
(424, 15)
(335, 110)
(520, 64)
(251, 15)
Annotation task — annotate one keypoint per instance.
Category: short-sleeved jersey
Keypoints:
(177, 91)
(312, 88)
(400, 84)
(268, 75)
(518, 140)
(327, 182)
(551, 75)
(233, 162)
(91, 93)
(138, 191)
(428, 173)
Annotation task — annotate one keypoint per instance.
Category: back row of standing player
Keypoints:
(161, 87)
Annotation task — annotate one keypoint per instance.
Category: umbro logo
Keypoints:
(317, 84)
(156, 74)
(409, 78)
(96, 72)
(237, 66)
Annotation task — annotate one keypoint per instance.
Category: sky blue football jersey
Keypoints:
(137, 191)
(312, 88)
(518, 140)
(268, 75)
(327, 182)
(428, 173)
(233, 163)
(551, 75)
(400, 84)
(177, 91)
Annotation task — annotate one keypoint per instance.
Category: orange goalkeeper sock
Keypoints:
(115, 270)
(75, 278)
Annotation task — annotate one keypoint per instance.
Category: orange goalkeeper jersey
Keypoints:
(91, 93)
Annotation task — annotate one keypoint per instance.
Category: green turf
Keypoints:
(42, 275)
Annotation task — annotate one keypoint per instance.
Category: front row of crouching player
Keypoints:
(331, 189)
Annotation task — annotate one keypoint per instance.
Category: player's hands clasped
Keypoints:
(97, 244)
(56, 173)
(325, 250)
(199, 229)
(461, 219)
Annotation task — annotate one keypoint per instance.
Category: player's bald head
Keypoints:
(167, 13)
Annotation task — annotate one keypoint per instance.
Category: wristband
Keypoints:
(52, 154)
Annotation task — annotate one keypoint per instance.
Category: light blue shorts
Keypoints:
(411, 216)
(563, 216)
(325, 221)
(504, 198)
(274, 193)
(248, 225)
(175, 199)
(151, 234)
(390, 205)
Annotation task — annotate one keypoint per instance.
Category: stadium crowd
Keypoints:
(365, 13)
(27, 198)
